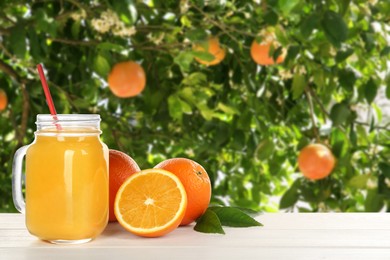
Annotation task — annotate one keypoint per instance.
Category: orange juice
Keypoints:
(66, 186)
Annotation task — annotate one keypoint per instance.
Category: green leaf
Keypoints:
(374, 202)
(363, 138)
(384, 176)
(101, 65)
(187, 94)
(319, 78)
(347, 79)
(385, 169)
(126, 11)
(196, 34)
(108, 46)
(343, 55)
(370, 90)
(271, 17)
(359, 181)
(177, 107)
(205, 111)
(76, 29)
(249, 212)
(353, 136)
(340, 113)
(336, 31)
(277, 53)
(378, 111)
(81, 103)
(344, 4)
(292, 53)
(44, 23)
(339, 142)
(196, 79)
(385, 51)
(185, 21)
(203, 55)
(388, 87)
(308, 25)
(234, 217)
(174, 107)
(209, 223)
(35, 47)
(227, 109)
(289, 198)
(265, 149)
(298, 85)
(287, 5)
(184, 60)
(18, 41)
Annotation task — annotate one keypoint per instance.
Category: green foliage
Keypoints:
(216, 217)
(244, 123)
(209, 223)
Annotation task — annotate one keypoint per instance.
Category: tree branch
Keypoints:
(19, 138)
(385, 127)
(312, 114)
(221, 26)
(26, 109)
(4, 31)
(10, 71)
(74, 42)
(318, 101)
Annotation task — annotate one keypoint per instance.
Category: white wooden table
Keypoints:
(284, 236)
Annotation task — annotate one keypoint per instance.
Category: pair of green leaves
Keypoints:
(332, 23)
(216, 217)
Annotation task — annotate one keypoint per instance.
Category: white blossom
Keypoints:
(110, 22)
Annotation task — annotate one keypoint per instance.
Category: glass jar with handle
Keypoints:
(66, 179)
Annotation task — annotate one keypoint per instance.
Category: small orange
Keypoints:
(151, 203)
(316, 161)
(211, 46)
(121, 167)
(196, 182)
(260, 52)
(127, 79)
(3, 100)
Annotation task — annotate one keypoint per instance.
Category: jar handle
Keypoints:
(17, 166)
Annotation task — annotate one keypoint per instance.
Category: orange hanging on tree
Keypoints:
(316, 161)
(3, 100)
(260, 51)
(213, 47)
(127, 79)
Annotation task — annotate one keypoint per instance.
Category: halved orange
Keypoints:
(151, 203)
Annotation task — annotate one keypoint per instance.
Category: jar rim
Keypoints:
(48, 118)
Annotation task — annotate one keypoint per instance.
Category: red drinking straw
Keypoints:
(49, 99)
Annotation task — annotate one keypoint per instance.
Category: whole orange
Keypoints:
(127, 79)
(3, 100)
(316, 161)
(260, 52)
(211, 46)
(196, 182)
(121, 167)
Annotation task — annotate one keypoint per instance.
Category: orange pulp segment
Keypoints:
(151, 203)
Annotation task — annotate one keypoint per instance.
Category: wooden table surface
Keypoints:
(284, 236)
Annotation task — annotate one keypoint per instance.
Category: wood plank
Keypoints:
(284, 236)
(190, 253)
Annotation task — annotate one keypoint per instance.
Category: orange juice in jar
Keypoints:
(66, 179)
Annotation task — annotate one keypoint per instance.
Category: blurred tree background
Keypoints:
(245, 123)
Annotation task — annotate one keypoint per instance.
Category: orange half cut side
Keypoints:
(151, 203)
